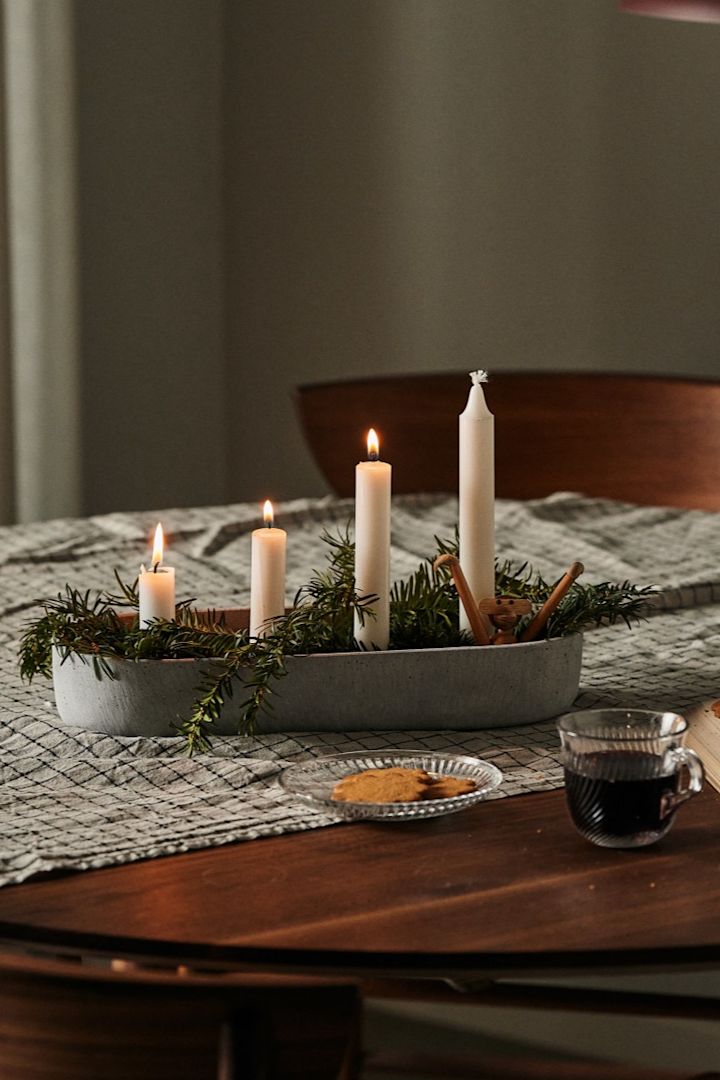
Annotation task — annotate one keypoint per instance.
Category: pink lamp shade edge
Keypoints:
(707, 11)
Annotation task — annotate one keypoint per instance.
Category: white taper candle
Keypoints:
(477, 494)
(373, 484)
(267, 577)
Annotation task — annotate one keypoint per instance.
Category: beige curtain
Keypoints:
(6, 449)
(39, 383)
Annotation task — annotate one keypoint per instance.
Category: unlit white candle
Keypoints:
(373, 484)
(477, 494)
(156, 587)
(267, 578)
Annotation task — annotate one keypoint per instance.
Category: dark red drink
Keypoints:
(622, 798)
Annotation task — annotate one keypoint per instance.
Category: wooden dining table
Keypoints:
(503, 890)
(474, 905)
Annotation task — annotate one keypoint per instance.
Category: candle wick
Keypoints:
(373, 455)
(155, 567)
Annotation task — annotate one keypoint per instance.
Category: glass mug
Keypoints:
(626, 773)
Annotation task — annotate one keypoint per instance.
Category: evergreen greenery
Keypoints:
(423, 614)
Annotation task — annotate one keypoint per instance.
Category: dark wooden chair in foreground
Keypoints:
(642, 439)
(64, 1021)
(61, 1020)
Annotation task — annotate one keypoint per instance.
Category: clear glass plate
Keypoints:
(314, 780)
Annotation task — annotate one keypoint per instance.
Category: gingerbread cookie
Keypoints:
(447, 787)
(382, 786)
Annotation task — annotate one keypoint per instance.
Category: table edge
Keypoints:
(328, 961)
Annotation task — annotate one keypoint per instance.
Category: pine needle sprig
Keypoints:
(424, 611)
(128, 596)
(585, 605)
(604, 604)
(521, 581)
(76, 622)
(214, 692)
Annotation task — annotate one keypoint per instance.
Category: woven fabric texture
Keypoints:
(73, 799)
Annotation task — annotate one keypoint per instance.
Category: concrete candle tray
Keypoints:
(459, 688)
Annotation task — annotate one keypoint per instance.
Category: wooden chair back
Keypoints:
(643, 439)
(61, 1020)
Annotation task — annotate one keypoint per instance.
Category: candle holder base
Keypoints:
(457, 688)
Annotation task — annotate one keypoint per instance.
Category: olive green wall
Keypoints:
(150, 252)
(274, 191)
(425, 184)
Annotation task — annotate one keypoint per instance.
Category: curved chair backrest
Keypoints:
(64, 1021)
(643, 439)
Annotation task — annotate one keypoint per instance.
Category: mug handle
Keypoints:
(686, 759)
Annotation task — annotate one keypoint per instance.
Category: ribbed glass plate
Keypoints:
(314, 780)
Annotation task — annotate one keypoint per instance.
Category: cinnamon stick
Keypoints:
(571, 574)
(466, 597)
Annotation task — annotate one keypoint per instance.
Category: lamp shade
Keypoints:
(688, 10)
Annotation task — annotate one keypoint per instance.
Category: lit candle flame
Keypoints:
(158, 545)
(268, 515)
(373, 445)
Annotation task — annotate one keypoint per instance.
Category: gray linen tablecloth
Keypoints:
(73, 799)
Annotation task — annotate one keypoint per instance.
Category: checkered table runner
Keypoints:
(74, 799)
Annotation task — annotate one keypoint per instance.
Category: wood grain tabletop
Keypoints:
(506, 886)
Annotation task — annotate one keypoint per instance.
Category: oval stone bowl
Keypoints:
(460, 688)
